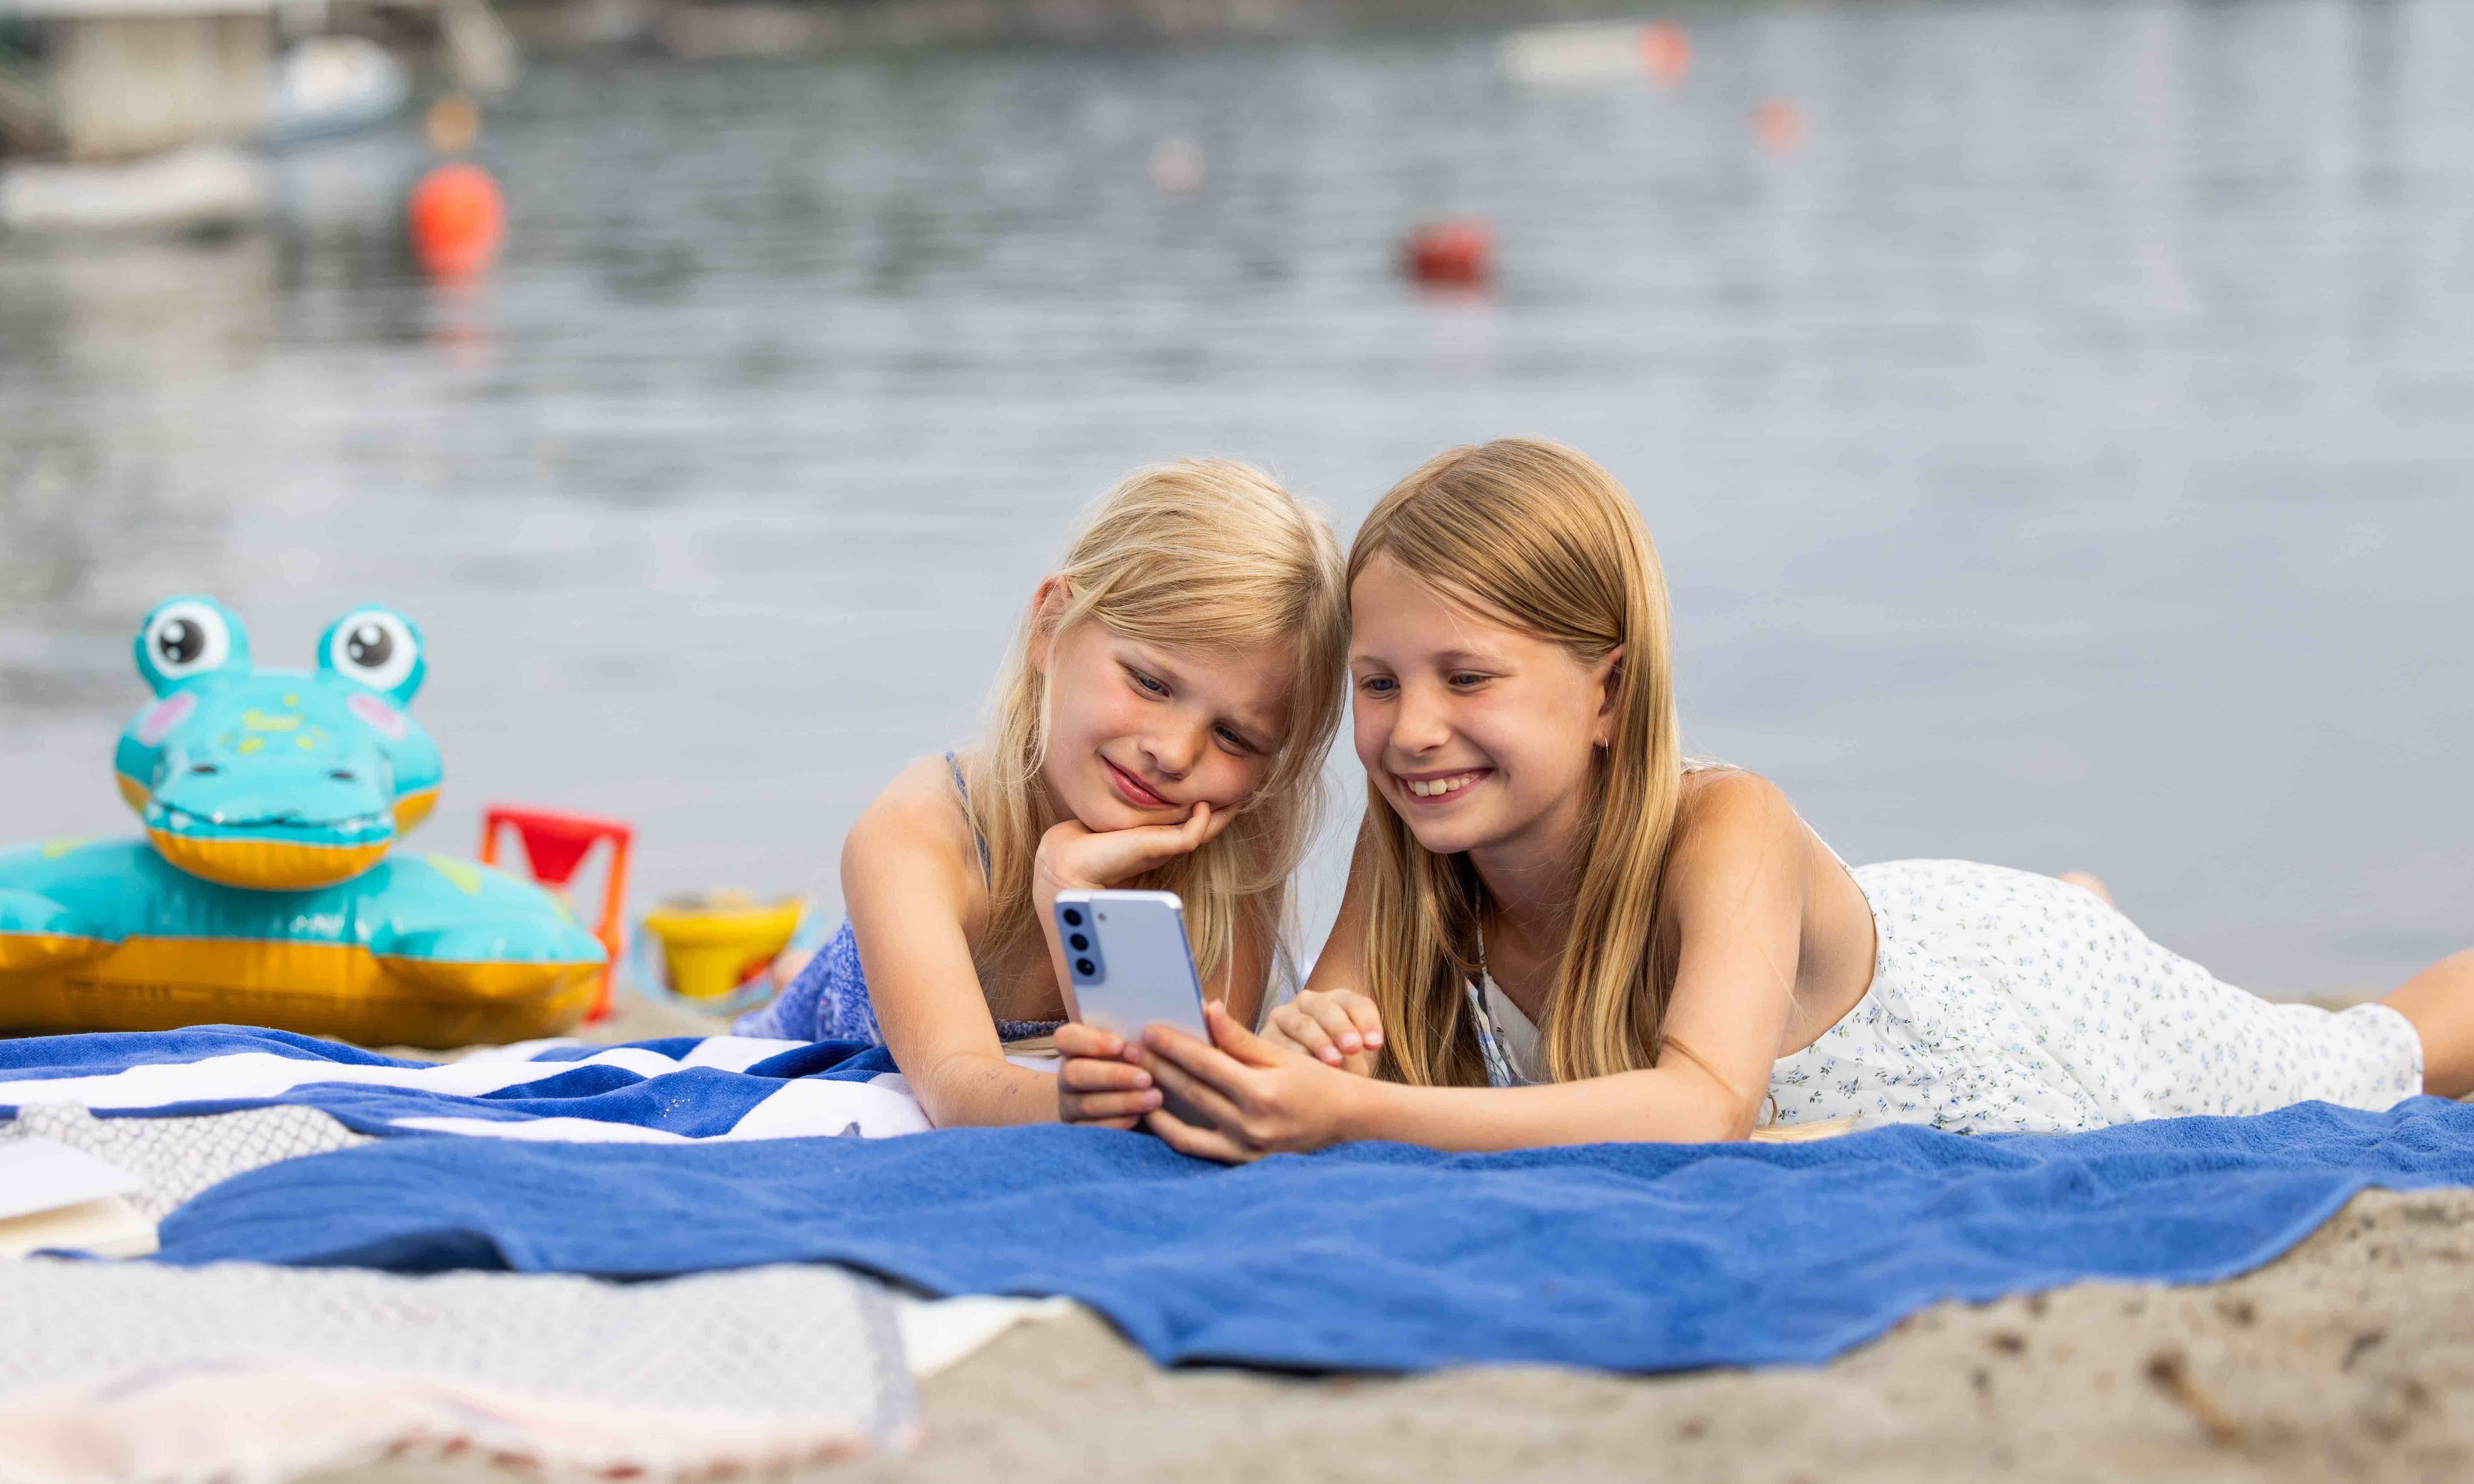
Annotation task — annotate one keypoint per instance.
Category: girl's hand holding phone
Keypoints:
(1265, 1099)
(1337, 1027)
(1097, 1083)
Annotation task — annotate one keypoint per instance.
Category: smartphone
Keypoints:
(1128, 967)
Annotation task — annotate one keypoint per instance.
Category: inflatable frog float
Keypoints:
(263, 890)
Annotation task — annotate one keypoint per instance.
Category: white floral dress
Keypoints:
(2005, 1001)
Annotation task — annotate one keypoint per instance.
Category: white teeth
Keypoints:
(1440, 786)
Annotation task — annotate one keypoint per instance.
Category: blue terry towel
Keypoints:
(1631, 1256)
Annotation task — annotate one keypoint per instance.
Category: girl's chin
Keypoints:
(1446, 836)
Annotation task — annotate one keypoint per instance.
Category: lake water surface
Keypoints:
(2061, 458)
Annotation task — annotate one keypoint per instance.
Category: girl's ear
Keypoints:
(1047, 606)
(1610, 670)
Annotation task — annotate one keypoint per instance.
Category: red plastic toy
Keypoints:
(555, 845)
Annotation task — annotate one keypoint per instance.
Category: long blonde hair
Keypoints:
(1205, 553)
(1536, 536)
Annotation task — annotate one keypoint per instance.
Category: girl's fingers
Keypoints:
(1072, 855)
(1242, 1047)
(1202, 1096)
(1336, 1023)
(1167, 842)
(1368, 1019)
(1086, 1108)
(1091, 1074)
(1121, 852)
(1167, 1044)
(1076, 1040)
(1303, 1032)
(1214, 820)
(1198, 1143)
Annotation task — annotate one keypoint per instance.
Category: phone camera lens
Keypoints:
(1078, 942)
(1085, 967)
(1073, 917)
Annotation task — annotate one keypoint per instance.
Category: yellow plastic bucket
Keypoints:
(715, 941)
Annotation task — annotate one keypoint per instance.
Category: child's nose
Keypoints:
(1173, 752)
(1420, 723)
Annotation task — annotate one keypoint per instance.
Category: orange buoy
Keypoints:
(1778, 125)
(1457, 252)
(457, 219)
(1666, 51)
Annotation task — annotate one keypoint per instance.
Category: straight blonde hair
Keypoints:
(1538, 537)
(1201, 554)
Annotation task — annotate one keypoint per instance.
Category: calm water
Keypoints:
(2061, 458)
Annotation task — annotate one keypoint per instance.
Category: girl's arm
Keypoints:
(910, 879)
(1331, 1018)
(1738, 892)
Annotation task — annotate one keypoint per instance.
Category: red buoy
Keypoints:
(1778, 125)
(1666, 51)
(457, 219)
(1458, 253)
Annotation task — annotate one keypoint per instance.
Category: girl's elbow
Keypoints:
(1741, 1120)
(1721, 1118)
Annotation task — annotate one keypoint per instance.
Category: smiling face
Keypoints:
(1479, 736)
(1139, 733)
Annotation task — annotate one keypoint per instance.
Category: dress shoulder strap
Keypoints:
(987, 871)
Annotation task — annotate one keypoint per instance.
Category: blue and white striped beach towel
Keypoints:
(660, 1091)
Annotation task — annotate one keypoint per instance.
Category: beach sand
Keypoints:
(2351, 1356)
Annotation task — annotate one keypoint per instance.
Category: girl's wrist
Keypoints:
(1357, 1107)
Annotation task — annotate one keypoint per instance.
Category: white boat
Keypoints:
(204, 187)
(326, 85)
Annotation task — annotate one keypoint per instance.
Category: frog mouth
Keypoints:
(273, 852)
(263, 864)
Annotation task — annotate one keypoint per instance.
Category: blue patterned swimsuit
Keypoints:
(828, 1000)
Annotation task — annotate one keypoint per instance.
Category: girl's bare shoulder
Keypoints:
(1725, 799)
(918, 816)
(1729, 820)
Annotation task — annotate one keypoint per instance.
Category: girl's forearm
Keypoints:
(975, 1090)
(1667, 1104)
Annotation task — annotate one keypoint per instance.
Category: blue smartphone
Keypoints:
(1130, 966)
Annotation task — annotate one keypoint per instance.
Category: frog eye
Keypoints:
(186, 638)
(378, 648)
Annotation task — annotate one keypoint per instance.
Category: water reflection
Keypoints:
(2057, 451)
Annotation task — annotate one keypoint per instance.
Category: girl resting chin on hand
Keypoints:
(1159, 724)
(1559, 930)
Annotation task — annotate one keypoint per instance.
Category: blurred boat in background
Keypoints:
(200, 187)
(329, 86)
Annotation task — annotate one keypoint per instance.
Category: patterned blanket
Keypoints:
(111, 1367)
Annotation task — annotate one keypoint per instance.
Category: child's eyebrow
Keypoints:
(1256, 725)
(1261, 728)
(1160, 668)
